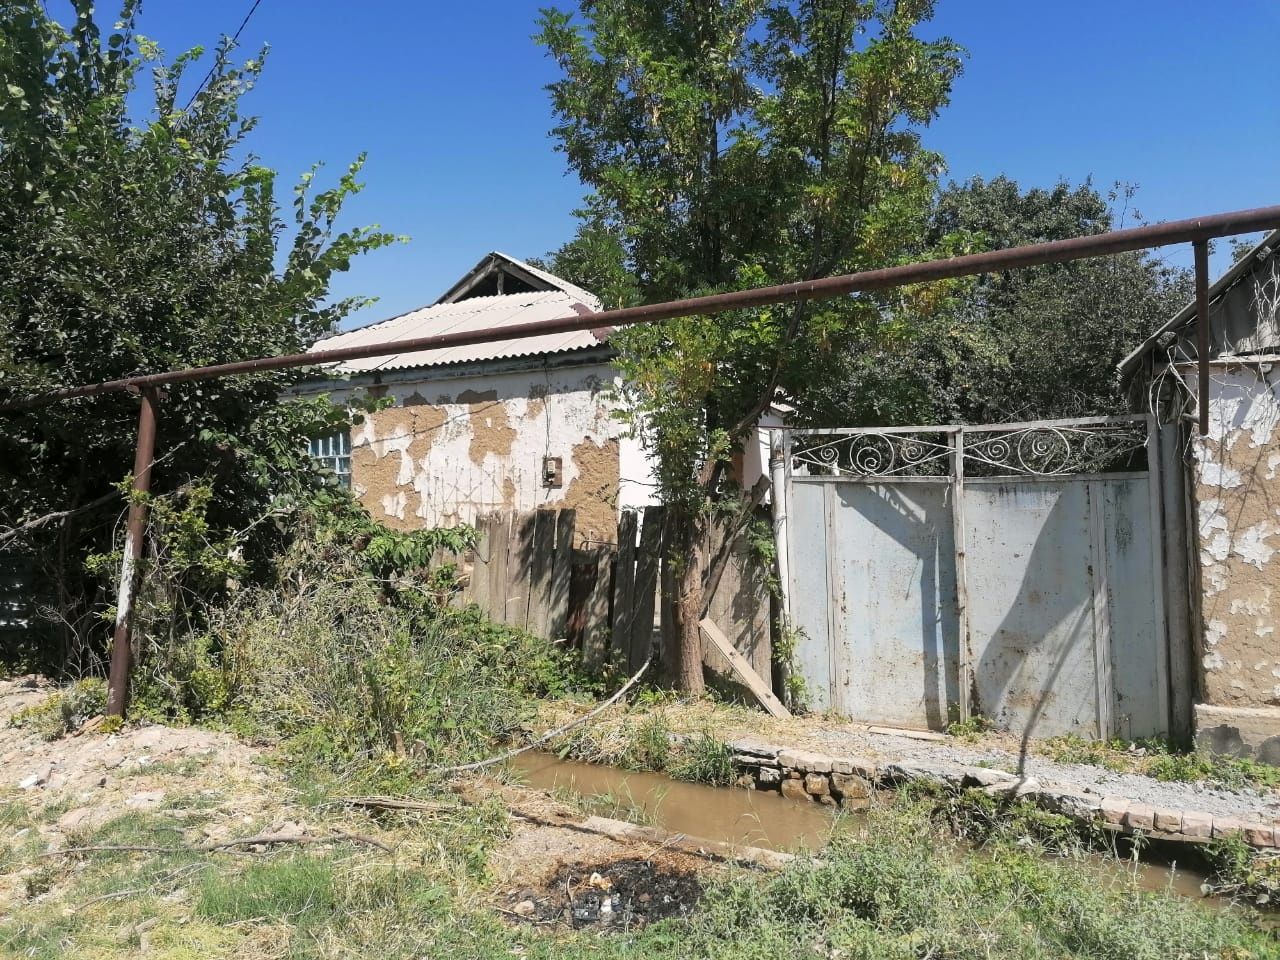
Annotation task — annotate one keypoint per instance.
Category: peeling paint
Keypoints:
(1237, 473)
(1252, 545)
(1217, 475)
(422, 463)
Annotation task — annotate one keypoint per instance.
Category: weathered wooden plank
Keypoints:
(519, 569)
(478, 584)
(624, 580)
(648, 558)
(499, 545)
(561, 575)
(743, 670)
(541, 564)
(740, 606)
(667, 612)
(595, 605)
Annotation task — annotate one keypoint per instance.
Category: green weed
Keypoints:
(59, 714)
(1072, 748)
(298, 889)
(701, 758)
(1231, 773)
(970, 730)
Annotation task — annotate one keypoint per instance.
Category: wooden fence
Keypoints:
(611, 601)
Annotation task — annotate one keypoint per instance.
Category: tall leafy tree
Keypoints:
(138, 243)
(1033, 344)
(728, 144)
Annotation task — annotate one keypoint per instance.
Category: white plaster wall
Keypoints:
(435, 437)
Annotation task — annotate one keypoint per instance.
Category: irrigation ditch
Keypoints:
(796, 802)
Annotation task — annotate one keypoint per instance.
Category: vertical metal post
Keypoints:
(778, 490)
(118, 679)
(1201, 248)
(963, 664)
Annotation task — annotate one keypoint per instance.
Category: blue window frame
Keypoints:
(333, 452)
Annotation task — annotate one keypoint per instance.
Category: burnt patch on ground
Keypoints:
(617, 895)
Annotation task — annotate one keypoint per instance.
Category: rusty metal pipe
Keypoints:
(143, 456)
(1201, 248)
(1197, 229)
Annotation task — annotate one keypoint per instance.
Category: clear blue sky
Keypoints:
(447, 98)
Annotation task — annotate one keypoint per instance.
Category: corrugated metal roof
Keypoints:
(1184, 317)
(475, 313)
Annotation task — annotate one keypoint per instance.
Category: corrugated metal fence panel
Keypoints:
(17, 608)
(894, 589)
(1141, 708)
(810, 606)
(1030, 570)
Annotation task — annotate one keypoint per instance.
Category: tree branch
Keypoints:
(13, 533)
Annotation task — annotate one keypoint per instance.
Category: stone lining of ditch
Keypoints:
(848, 782)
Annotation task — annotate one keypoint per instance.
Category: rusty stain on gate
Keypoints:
(1012, 571)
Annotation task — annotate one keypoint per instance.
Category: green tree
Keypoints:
(728, 144)
(1034, 344)
(138, 244)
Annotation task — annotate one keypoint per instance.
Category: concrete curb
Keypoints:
(847, 781)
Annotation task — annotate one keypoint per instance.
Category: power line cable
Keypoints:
(235, 37)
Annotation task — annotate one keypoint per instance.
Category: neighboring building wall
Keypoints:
(453, 448)
(1237, 494)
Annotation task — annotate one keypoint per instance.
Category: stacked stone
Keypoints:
(848, 782)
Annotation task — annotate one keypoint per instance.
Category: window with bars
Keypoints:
(333, 452)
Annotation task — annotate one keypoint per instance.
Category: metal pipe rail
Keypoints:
(1196, 230)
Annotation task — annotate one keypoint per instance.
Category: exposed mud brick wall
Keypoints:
(449, 451)
(1237, 492)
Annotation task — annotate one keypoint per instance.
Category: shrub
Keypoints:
(351, 660)
(65, 711)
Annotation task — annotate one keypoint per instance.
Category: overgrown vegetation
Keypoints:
(64, 711)
(138, 233)
(651, 744)
(356, 653)
(893, 890)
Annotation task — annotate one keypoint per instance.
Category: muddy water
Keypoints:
(757, 818)
(761, 818)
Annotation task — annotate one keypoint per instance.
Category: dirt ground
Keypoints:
(212, 787)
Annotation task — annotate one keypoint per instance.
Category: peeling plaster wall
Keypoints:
(453, 449)
(1237, 487)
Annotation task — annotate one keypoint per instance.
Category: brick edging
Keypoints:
(848, 781)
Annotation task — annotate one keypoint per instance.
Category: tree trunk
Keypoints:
(688, 606)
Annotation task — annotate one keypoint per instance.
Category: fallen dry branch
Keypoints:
(396, 803)
(225, 846)
(623, 831)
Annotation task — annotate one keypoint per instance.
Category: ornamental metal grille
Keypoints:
(1048, 449)
(871, 455)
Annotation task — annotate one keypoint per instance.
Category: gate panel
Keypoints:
(1138, 654)
(1031, 619)
(1065, 627)
(894, 600)
(810, 607)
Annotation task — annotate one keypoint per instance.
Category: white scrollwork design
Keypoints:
(1041, 450)
(870, 455)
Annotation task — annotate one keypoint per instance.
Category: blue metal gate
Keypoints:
(1010, 571)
